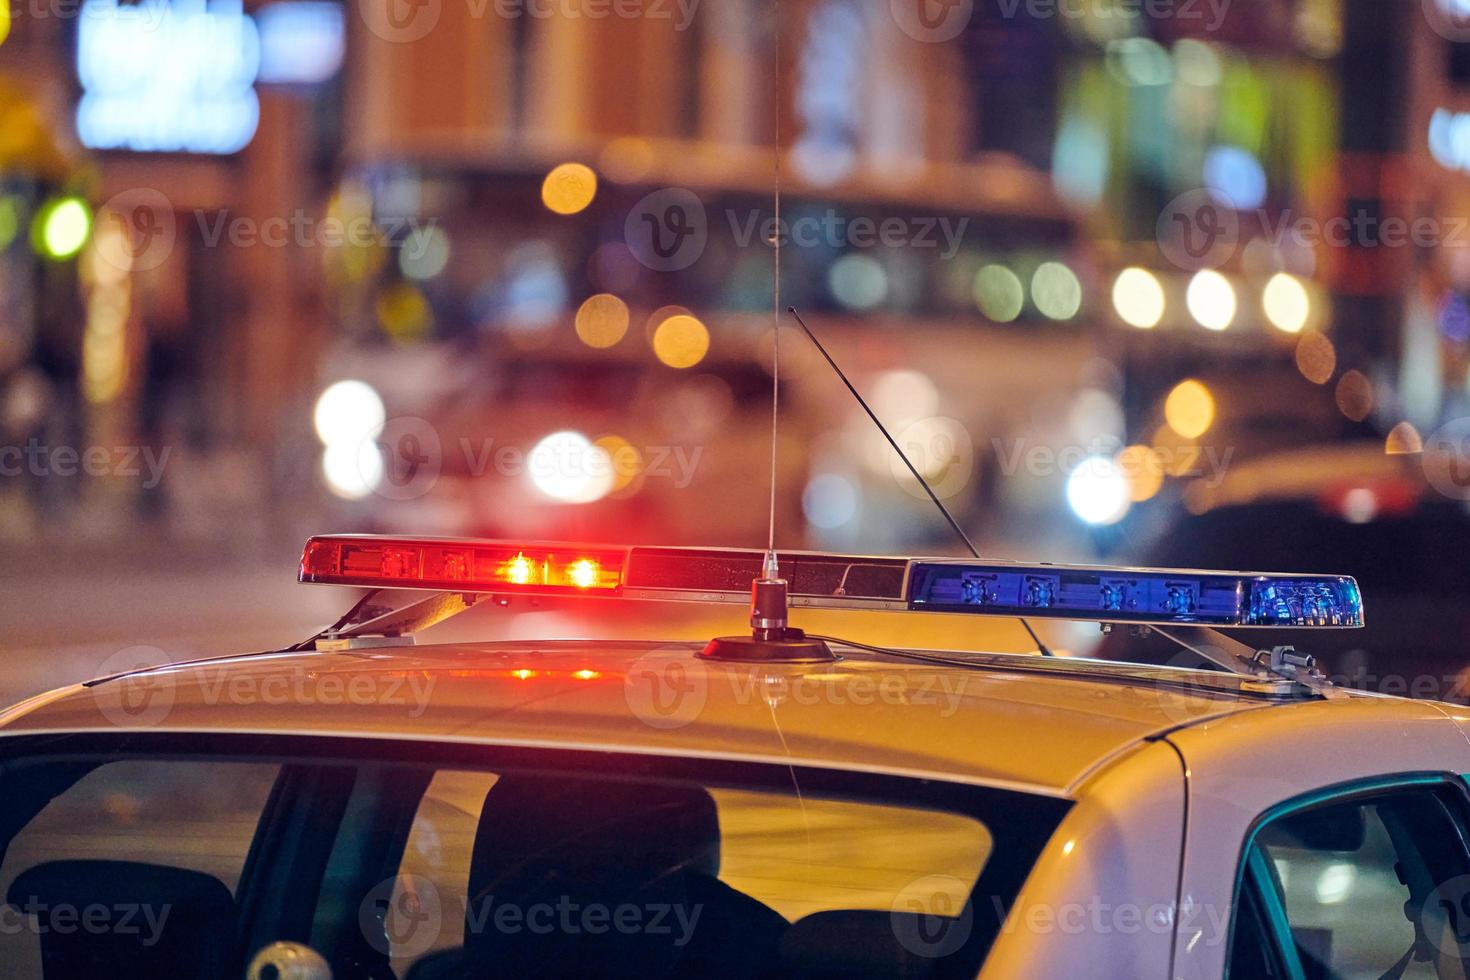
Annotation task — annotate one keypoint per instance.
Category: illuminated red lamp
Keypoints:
(469, 566)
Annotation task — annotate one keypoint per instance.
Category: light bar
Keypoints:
(460, 566)
(1136, 595)
(1109, 595)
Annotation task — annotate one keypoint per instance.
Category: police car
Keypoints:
(771, 804)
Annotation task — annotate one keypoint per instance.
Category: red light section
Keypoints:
(407, 564)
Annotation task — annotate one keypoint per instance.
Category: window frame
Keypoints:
(1253, 872)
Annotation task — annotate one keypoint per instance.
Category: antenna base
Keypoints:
(791, 646)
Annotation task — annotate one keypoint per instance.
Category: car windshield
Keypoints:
(502, 864)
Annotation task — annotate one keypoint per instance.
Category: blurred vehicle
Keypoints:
(571, 443)
(1354, 508)
(497, 314)
(774, 804)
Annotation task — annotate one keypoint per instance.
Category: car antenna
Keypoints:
(969, 545)
(771, 637)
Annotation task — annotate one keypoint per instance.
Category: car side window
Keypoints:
(97, 838)
(1366, 887)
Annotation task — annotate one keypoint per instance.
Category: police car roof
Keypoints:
(1017, 721)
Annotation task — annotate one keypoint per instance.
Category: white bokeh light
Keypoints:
(1098, 491)
(568, 467)
(348, 413)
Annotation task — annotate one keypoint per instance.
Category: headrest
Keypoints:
(565, 857)
(123, 918)
(565, 819)
(848, 944)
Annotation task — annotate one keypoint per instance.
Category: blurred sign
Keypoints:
(167, 76)
(300, 42)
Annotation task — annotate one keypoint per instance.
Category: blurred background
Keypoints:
(1183, 282)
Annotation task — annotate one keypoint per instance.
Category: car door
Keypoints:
(1255, 903)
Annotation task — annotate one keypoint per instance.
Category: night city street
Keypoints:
(665, 489)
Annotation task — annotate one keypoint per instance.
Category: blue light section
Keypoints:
(1135, 595)
(1306, 602)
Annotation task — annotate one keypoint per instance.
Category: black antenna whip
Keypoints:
(974, 552)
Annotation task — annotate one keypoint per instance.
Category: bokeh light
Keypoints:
(62, 227)
(568, 467)
(1056, 291)
(1190, 409)
(569, 188)
(904, 395)
(627, 461)
(1143, 468)
(1354, 395)
(1316, 358)
(681, 341)
(1211, 300)
(352, 470)
(1138, 297)
(424, 253)
(1286, 303)
(602, 320)
(830, 500)
(999, 293)
(347, 413)
(1403, 440)
(1098, 491)
(403, 313)
(858, 282)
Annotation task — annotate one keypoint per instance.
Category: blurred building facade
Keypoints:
(1119, 203)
